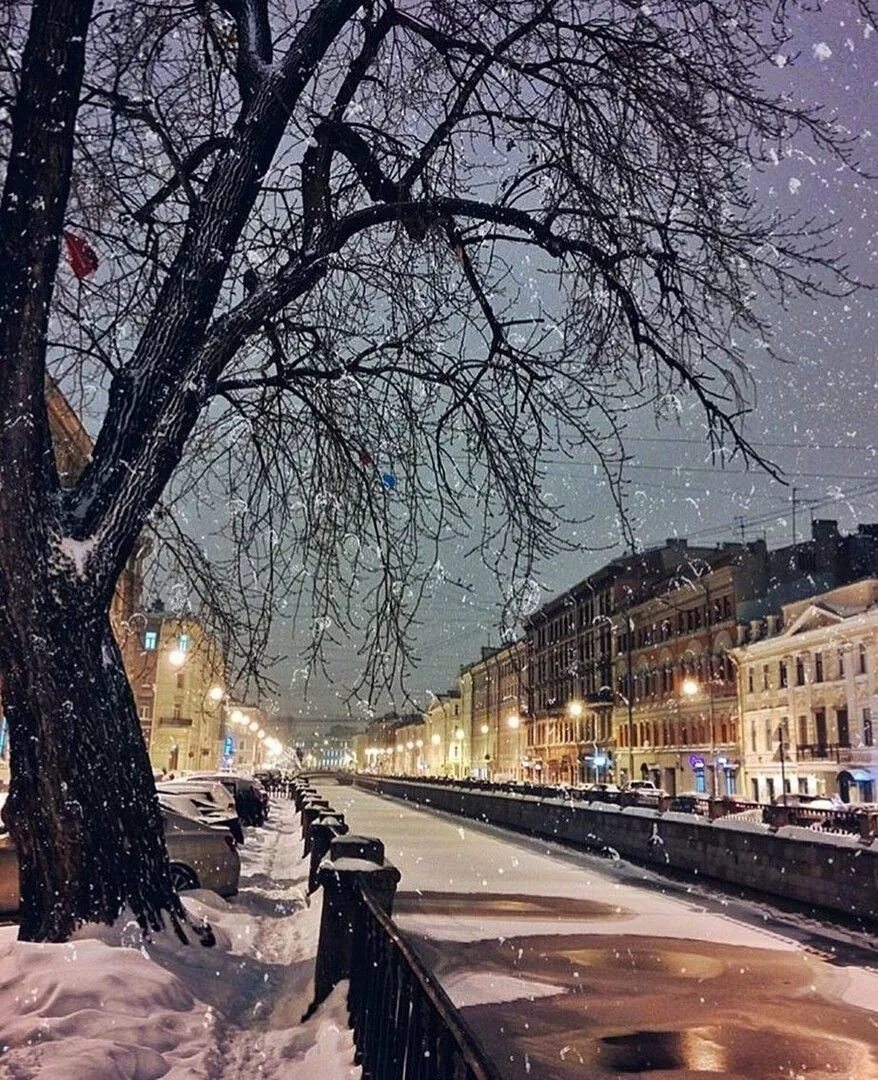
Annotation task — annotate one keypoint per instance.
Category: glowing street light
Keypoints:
(238, 717)
(216, 693)
(253, 726)
(176, 658)
(513, 721)
(574, 709)
(690, 687)
(436, 739)
(484, 729)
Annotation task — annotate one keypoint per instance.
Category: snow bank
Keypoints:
(108, 1006)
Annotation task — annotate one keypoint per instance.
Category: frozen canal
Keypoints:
(566, 964)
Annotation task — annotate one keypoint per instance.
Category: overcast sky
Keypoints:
(814, 416)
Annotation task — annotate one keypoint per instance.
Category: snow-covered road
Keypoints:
(569, 965)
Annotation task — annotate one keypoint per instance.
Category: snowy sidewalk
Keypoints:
(107, 1007)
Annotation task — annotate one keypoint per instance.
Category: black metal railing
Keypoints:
(838, 752)
(405, 1027)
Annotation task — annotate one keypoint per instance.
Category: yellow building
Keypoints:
(446, 743)
(410, 753)
(807, 693)
(178, 680)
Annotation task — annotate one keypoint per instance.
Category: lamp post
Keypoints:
(513, 722)
(690, 688)
(574, 711)
(783, 771)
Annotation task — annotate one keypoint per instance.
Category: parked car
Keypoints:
(199, 810)
(809, 802)
(251, 798)
(201, 858)
(209, 797)
(691, 802)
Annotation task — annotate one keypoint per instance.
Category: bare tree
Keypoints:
(363, 265)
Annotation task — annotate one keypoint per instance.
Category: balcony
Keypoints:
(824, 752)
(175, 721)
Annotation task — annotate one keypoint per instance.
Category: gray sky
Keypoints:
(814, 415)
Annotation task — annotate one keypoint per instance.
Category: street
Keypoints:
(566, 964)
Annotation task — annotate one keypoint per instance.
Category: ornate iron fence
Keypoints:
(405, 1027)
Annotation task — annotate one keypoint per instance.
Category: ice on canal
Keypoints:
(567, 964)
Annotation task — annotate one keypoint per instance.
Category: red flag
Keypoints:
(80, 254)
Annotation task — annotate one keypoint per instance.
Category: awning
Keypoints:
(860, 776)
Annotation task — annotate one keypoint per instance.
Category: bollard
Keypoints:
(323, 832)
(309, 813)
(352, 862)
(304, 793)
(314, 814)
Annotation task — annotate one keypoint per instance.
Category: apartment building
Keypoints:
(808, 693)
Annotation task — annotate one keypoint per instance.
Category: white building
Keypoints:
(807, 698)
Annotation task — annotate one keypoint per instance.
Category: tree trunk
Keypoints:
(82, 808)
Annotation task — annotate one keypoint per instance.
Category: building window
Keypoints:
(867, 728)
(803, 731)
(144, 708)
(750, 679)
(181, 680)
(183, 642)
(840, 661)
(766, 681)
(783, 674)
(800, 671)
(731, 782)
(818, 667)
(150, 640)
(861, 659)
(177, 713)
(753, 738)
(700, 783)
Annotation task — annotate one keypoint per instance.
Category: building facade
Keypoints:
(446, 744)
(675, 720)
(178, 679)
(497, 684)
(807, 697)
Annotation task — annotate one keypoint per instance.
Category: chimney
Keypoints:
(755, 629)
(771, 625)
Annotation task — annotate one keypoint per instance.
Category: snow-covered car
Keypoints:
(251, 798)
(691, 802)
(201, 858)
(210, 798)
(199, 810)
(645, 792)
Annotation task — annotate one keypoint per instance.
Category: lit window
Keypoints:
(184, 643)
(150, 640)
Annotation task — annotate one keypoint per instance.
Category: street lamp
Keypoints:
(176, 658)
(216, 693)
(690, 688)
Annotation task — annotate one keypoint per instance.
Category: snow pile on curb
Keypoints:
(108, 1006)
